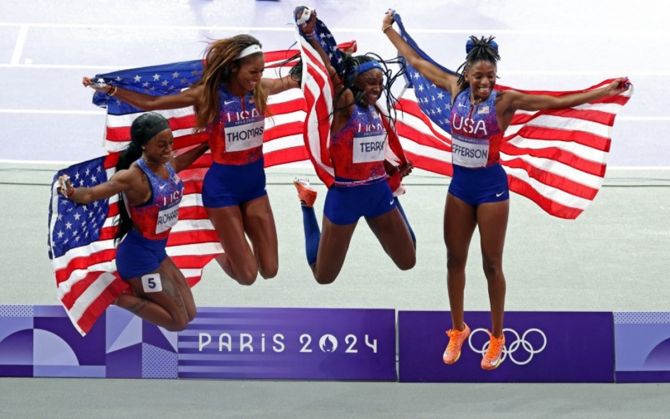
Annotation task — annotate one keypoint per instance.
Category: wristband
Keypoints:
(112, 91)
(385, 28)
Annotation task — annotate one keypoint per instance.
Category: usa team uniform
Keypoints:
(357, 152)
(143, 249)
(236, 143)
(478, 176)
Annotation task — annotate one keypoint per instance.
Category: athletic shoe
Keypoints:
(456, 338)
(306, 194)
(493, 356)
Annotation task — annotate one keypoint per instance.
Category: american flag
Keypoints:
(81, 243)
(318, 93)
(556, 158)
(283, 125)
(82, 250)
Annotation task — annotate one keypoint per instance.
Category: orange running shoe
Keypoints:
(456, 339)
(494, 354)
(306, 194)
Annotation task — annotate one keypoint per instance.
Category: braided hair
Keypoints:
(477, 49)
(354, 66)
(143, 129)
(295, 72)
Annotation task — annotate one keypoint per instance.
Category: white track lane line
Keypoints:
(62, 66)
(20, 43)
(51, 112)
(288, 27)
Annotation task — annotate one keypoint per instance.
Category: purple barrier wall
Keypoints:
(642, 342)
(322, 344)
(40, 341)
(326, 344)
(540, 347)
(335, 344)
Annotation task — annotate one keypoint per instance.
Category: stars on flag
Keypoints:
(75, 222)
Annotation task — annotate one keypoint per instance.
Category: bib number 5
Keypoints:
(152, 283)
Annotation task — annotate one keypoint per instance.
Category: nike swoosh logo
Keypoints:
(228, 102)
(161, 187)
(498, 195)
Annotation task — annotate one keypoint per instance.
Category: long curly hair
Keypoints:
(220, 61)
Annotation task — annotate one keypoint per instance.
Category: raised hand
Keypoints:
(618, 86)
(98, 85)
(388, 20)
(65, 187)
(305, 18)
(405, 169)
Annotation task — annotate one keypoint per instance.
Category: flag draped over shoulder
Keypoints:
(318, 92)
(556, 158)
(81, 237)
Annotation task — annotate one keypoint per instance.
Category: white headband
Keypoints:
(304, 16)
(251, 49)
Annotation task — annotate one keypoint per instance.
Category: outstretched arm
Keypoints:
(429, 70)
(274, 86)
(184, 160)
(513, 100)
(120, 182)
(188, 97)
(510, 100)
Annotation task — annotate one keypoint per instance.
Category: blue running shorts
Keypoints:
(227, 184)
(346, 204)
(137, 256)
(481, 185)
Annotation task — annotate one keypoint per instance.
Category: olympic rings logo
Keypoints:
(511, 347)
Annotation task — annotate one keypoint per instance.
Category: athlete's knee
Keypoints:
(192, 313)
(492, 269)
(325, 278)
(269, 272)
(176, 326)
(179, 322)
(246, 276)
(407, 262)
(244, 271)
(246, 280)
(455, 263)
(180, 325)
